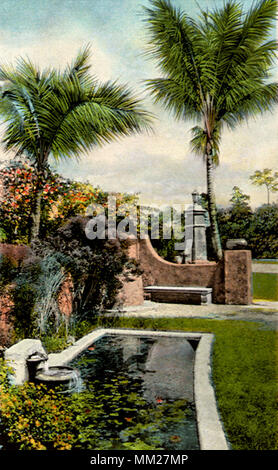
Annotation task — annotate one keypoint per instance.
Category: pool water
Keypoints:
(141, 390)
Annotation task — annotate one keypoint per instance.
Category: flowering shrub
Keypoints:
(109, 415)
(19, 186)
(33, 418)
(61, 199)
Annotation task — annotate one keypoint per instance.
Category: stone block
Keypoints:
(181, 295)
(236, 244)
(238, 277)
(17, 355)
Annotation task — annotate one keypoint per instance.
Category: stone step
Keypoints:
(180, 294)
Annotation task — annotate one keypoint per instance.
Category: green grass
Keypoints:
(265, 286)
(244, 375)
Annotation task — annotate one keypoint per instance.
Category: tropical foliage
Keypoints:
(58, 114)
(259, 228)
(216, 71)
(19, 188)
(61, 199)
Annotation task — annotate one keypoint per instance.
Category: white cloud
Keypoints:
(56, 47)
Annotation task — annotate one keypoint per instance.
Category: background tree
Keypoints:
(263, 233)
(62, 114)
(235, 221)
(239, 200)
(216, 71)
(266, 178)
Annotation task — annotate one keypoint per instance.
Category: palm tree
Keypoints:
(62, 114)
(216, 71)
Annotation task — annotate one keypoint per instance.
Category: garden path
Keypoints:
(258, 311)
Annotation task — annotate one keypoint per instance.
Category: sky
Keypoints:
(158, 166)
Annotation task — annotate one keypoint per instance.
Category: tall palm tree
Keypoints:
(216, 71)
(63, 113)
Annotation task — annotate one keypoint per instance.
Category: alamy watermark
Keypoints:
(133, 220)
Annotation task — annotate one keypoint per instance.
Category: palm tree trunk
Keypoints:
(216, 243)
(36, 216)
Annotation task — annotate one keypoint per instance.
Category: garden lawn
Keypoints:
(244, 375)
(265, 286)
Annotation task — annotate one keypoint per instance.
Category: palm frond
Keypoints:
(200, 140)
(250, 55)
(260, 99)
(80, 65)
(65, 113)
(80, 121)
(176, 97)
(173, 39)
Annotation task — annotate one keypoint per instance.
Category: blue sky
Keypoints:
(159, 166)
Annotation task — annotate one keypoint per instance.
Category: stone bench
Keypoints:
(181, 295)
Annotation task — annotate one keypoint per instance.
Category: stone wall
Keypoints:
(230, 279)
(16, 253)
(160, 272)
(132, 292)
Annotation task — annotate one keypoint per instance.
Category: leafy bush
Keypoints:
(36, 284)
(95, 266)
(34, 418)
(3, 235)
(110, 415)
(62, 199)
(8, 270)
(23, 311)
(258, 228)
(20, 182)
(263, 232)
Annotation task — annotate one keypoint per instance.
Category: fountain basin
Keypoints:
(55, 376)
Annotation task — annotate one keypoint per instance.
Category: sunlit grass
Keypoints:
(265, 286)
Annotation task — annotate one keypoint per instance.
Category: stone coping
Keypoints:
(186, 289)
(210, 429)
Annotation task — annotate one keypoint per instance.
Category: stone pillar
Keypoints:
(17, 355)
(238, 275)
(195, 227)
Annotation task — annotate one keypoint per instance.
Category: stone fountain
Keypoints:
(30, 363)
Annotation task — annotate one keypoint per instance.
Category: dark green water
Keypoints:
(143, 387)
